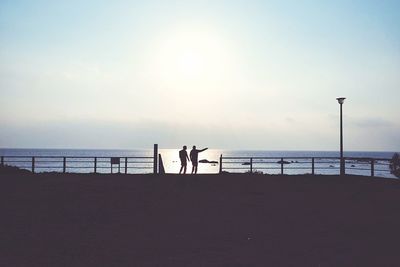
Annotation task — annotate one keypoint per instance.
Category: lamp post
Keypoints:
(342, 166)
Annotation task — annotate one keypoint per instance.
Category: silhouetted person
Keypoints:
(183, 155)
(194, 157)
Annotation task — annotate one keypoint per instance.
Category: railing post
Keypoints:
(2, 161)
(313, 166)
(95, 164)
(344, 166)
(372, 167)
(126, 165)
(64, 164)
(220, 164)
(33, 164)
(155, 159)
(281, 166)
(251, 165)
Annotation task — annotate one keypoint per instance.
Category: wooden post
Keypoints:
(126, 165)
(281, 166)
(155, 159)
(2, 161)
(161, 169)
(251, 165)
(312, 166)
(220, 164)
(95, 164)
(372, 167)
(64, 164)
(33, 164)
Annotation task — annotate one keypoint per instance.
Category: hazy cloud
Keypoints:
(376, 122)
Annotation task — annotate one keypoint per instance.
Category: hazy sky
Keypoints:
(223, 74)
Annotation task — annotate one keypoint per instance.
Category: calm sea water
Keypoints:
(172, 165)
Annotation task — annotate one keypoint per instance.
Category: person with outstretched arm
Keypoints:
(194, 157)
(183, 156)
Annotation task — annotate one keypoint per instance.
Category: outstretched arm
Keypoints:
(201, 150)
(187, 157)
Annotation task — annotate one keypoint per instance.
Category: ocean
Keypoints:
(171, 161)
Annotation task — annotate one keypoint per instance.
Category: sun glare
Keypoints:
(190, 56)
(190, 62)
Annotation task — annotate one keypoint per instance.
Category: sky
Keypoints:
(222, 74)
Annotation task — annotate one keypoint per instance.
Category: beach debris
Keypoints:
(331, 166)
(353, 165)
(246, 163)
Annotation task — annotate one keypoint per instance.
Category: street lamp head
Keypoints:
(340, 100)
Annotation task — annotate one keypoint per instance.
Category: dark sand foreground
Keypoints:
(203, 220)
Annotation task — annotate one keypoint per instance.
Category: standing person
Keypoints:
(183, 155)
(194, 156)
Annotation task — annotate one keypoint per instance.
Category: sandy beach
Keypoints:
(202, 220)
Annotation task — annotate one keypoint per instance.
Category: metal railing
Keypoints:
(304, 165)
(80, 164)
(87, 164)
(154, 164)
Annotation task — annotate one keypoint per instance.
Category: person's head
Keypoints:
(194, 147)
(184, 147)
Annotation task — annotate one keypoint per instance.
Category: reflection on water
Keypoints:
(172, 163)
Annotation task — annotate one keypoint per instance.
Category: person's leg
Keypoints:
(192, 169)
(184, 169)
(182, 165)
